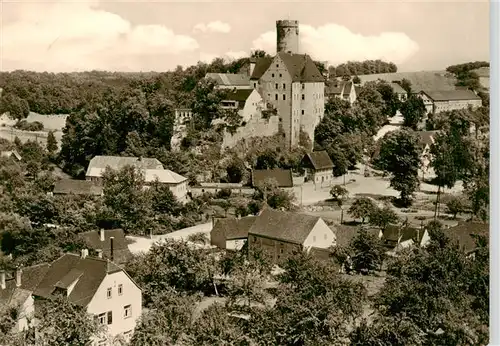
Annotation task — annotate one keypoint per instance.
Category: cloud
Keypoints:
(337, 44)
(69, 36)
(216, 27)
(228, 56)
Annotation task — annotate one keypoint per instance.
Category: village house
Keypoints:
(152, 170)
(449, 100)
(399, 91)
(283, 177)
(280, 234)
(12, 154)
(230, 233)
(16, 289)
(98, 165)
(465, 233)
(397, 237)
(98, 285)
(319, 167)
(291, 83)
(110, 244)
(247, 102)
(76, 187)
(230, 80)
(344, 90)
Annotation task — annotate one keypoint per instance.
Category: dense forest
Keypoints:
(466, 77)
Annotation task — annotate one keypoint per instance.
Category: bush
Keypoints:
(455, 205)
(224, 193)
(27, 126)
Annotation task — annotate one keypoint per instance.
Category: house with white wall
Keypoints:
(247, 102)
(101, 287)
(280, 233)
(449, 100)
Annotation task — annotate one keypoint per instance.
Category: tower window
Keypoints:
(302, 112)
(276, 97)
(276, 85)
(284, 86)
(303, 97)
(284, 97)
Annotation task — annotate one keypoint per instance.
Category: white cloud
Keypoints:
(228, 56)
(216, 26)
(68, 36)
(337, 44)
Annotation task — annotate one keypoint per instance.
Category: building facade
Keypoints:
(449, 100)
(318, 167)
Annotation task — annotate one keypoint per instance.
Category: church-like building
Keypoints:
(289, 82)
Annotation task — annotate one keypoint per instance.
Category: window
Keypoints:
(303, 86)
(303, 97)
(255, 85)
(281, 250)
(276, 97)
(277, 65)
(127, 311)
(302, 112)
(272, 75)
(284, 97)
(108, 294)
(120, 289)
(284, 86)
(110, 317)
(101, 318)
(276, 85)
(281, 75)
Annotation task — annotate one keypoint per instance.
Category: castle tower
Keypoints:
(287, 36)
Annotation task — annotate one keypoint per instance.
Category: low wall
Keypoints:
(243, 191)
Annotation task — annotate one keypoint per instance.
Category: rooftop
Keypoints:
(229, 79)
(319, 160)
(451, 95)
(462, 234)
(234, 228)
(121, 253)
(76, 187)
(283, 177)
(99, 163)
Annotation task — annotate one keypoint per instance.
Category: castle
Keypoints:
(289, 83)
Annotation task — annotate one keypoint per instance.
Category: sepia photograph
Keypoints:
(247, 173)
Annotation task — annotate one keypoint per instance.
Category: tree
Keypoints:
(391, 99)
(356, 80)
(60, 322)
(16, 107)
(400, 155)
(455, 205)
(382, 217)
(51, 143)
(413, 111)
(339, 193)
(235, 170)
(406, 84)
(362, 208)
(367, 250)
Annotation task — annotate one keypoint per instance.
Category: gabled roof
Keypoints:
(30, 278)
(282, 176)
(320, 159)
(93, 271)
(76, 187)
(229, 79)
(239, 95)
(398, 89)
(121, 252)
(451, 95)
(461, 234)
(285, 226)
(165, 176)
(233, 228)
(99, 163)
(347, 88)
(301, 68)
(344, 235)
(261, 66)
(393, 233)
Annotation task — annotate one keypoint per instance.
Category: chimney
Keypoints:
(19, 272)
(111, 240)
(99, 253)
(101, 233)
(2, 279)
(83, 253)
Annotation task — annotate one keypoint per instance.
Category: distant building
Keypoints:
(231, 233)
(230, 80)
(100, 286)
(283, 177)
(319, 167)
(183, 116)
(396, 237)
(110, 244)
(398, 90)
(76, 187)
(291, 83)
(98, 165)
(247, 102)
(280, 234)
(344, 90)
(176, 182)
(449, 100)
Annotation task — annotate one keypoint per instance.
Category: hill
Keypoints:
(422, 80)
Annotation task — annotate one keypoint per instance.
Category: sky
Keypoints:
(140, 35)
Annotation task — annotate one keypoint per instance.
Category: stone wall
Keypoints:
(257, 127)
